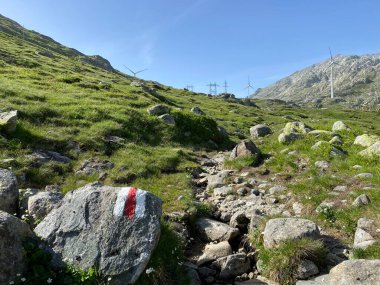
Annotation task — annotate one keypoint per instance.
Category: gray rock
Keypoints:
(158, 110)
(205, 272)
(94, 227)
(277, 189)
(240, 220)
(320, 144)
(242, 191)
(337, 151)
(282, 229)
(235, 265)
(13, 231)
(365, 223)
(336, 140)
(40, 204)
(8, 121)
(306, 269)
(363, 239)
(322, 164)
(296, 127)
(193, 276)
(366, 140)
(320, 132)
(245, 148)
(364, 175)
(356, 272)
(373, 150)
(288, 138)
(94, 165)
(40, 157)
(217, 180)
(222, 191)
(361, 201)
(340, 188)
(214, 251)
(8, 192)
(197, 110)
(340, 126)
(320, 280)
(168, 119)
(297, 208)
(259, 131)
(211, 230)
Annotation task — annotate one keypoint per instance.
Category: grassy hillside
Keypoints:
(72, 105)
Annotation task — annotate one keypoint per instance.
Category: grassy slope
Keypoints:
(62, 99)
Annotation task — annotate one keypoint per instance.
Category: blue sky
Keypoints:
(195, 42)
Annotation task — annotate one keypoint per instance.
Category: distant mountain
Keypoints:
(356, 81)
(11, 27)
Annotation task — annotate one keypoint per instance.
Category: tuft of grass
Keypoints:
(240, 162)
(280, 264)
(371, 252)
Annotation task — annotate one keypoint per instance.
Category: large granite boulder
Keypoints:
(8, 192)
(211, 230)
(282, 229)
(288, 138)
(214, 251)
(113, 229)
(356, 272)
(245, 148)
(235, 265)
(366, 140)
(259, 131)
(13, 232)
(373, 150)
(8, 121)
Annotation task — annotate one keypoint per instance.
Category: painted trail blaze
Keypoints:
(130, 203)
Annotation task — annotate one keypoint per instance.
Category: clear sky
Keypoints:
(194, 42)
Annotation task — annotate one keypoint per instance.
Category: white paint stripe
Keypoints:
(118, 210)
(140, 203)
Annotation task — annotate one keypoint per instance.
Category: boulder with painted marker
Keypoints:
(112, 229)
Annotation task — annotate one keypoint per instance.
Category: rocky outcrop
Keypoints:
(245, 148)
(8, 192)
(282, 229)
(8, 122)
(113, 229)
(13, 232)
(40, 204)
(259, 131)
(340, 126)
(373, 150)
(293, 131)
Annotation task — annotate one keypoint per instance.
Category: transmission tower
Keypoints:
(190, 88)
(213, 88)
(225, 85)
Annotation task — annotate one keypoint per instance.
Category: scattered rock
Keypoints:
(361, 201)
(211, 230)
(363, 239)
(235, 265)
(306, 269)
(282, 229)
(355, 272)
(93, 165)
(93, 228)
(197, 110)
(214, 251)
(277, 189)
(322, 164)
(320, 144)
(336, 141)
(245, 148)
(13, 232)
(158, 110)
(217, 180)
(340, 188)
(366, 140)
(8, 192)
(40, 157)
(8, 121)
(373, 150)
(168, 119)
(259, 131)
(287, 138)
(296, 127)
(340, 126)
(222, 191)
(297, 208)
(40, 204)
(320, 132)
(240, 220)
(364, 175)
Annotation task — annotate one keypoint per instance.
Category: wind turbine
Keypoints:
(133, 72)
(249, 86)
(332, 63)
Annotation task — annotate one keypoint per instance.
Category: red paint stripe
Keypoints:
(130, 204)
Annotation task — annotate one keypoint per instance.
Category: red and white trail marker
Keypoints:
(130, 203)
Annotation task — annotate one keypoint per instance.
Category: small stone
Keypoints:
(322, 164)
(306, 269)
(168, 119)
(364, 175)
(340, 188)
(361, 201)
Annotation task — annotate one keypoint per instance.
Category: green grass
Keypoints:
(240, 162)
(371, 252)
(280, 264)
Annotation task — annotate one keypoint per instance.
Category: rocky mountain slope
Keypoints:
(357, 82)
(75, 136)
